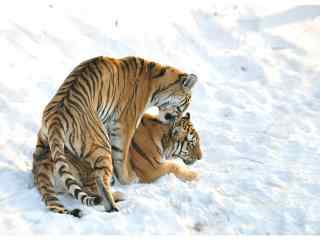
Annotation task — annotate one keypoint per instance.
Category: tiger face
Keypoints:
(175, 98)
(185, 142)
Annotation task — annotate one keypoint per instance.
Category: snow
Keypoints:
(256, 108)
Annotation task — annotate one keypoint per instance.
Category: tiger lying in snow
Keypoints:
(153, 141)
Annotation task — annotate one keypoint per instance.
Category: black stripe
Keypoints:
(46, 165)
(81, 97)
(90, 184)
(42, 175)
(123, 70)
(115, 148)
(64, 172)
(160, 74)
(76, 107)
(87, 78)
(91, 79)
(163, 89)
(64, 118)
(46, 189)
(83, 197)
(103, 114)
(52, 198)
(98, 159)
(111, 84)
(129, 62)
(100, 168)
(61, 170)
(77, 192)
(135, 65)
(155, 120)
(52, 205)
(50, 108)
(84, 89)
(142, 153)
(92, 69)
(71, 137)
(70, 115)
(127, 66)
(41, 156)
(69, 182)
(113, 134)
(151, 65)
(53, 123)
(83, 146)
(142, 66)
(77, 100)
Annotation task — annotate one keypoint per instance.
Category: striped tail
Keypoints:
(56, 138)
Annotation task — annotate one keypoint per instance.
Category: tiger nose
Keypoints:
(168, 117)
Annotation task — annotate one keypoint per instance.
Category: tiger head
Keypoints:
(173, 93)
(183, 141)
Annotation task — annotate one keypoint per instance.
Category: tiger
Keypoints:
(94, 115)
(155, 141)
(152, 143)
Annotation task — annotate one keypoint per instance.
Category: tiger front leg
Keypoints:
(120, 142)
(182, 173)
(151, 174)
(103, 172)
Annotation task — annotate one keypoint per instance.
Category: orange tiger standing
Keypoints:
(94, 115)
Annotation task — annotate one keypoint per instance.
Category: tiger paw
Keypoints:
(112, 209)
(75, 212)
(191, 175)
(118, 196)
(133, 177)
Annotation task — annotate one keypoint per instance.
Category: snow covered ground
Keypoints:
(256, 107)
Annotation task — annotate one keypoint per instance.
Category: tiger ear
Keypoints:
(190, 81)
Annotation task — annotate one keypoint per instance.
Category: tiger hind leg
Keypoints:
(102, 166)
(56, 140)
(120, 142)
(43, 178)
(90, 187)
